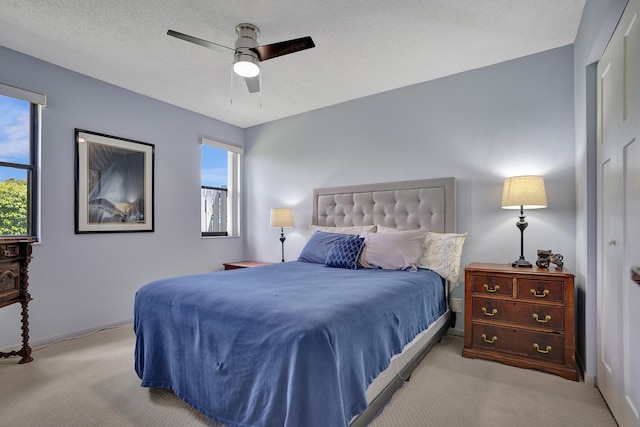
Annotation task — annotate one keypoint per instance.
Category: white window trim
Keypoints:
(40, 100)
(23, 94)
(233, 194)
(38, 165)
(221, 145)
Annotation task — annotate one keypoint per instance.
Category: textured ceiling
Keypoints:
(363, 47)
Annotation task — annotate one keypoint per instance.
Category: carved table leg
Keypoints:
(25, 352)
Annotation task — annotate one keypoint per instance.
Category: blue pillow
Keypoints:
(345, 253)
(317, 248)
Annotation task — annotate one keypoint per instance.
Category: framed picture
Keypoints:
(114, 184)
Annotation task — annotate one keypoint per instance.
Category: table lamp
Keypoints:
(281, 217)
(520, 192)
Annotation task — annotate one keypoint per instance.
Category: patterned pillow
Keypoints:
(442, 254)
(345, 253)
(318, 246)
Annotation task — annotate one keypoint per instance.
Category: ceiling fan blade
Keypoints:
(269, 51)
(253, 84)
(201, 42)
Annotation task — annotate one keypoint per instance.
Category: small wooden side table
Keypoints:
(244, 264)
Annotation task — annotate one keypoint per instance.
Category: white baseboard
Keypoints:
(590, 379)
(35, 344)
(457, 332)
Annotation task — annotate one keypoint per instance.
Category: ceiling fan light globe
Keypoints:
(246, 68)
(246, 63)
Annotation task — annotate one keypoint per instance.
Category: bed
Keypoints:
(301, 342)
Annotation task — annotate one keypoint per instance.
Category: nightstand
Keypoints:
(244, 264)
(522, 317)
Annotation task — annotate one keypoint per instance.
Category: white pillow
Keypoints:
(393, 251)
(354, 229)
(385, 229)
(442, 254)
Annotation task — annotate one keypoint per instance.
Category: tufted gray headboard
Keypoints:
(427, 204)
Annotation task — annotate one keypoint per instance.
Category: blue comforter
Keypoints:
(290, 344)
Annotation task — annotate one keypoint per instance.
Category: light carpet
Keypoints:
(90, 381)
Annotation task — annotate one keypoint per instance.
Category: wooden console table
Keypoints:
(15, 255)
(244, 264)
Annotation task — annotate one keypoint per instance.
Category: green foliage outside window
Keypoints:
(13, 207)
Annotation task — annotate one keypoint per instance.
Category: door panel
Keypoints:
(608, 296)
(618, 156)
(631, 290)
(631, 67)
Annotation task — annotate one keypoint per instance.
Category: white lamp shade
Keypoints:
(281, 217)
(526, 191)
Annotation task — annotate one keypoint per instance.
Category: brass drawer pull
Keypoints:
(493, 312)
(546, 318)
(492, 290)
(491, 341)
(542, 295)
(539, 350)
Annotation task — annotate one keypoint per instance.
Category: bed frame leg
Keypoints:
(451, 324)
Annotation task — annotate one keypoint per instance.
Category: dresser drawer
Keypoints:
(541, 290)
(10, 250)
(9, 281)
(492, 285)
(521, 313)
(534, 345)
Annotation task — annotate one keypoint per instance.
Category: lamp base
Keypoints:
(521, 263)
(282, 239)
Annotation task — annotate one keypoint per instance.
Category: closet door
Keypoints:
(618, 316)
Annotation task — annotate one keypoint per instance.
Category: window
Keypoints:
(19, 161)
(220, 189)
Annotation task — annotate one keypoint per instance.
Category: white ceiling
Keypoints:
(363, 47)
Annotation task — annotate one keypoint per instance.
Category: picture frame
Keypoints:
(114, 184)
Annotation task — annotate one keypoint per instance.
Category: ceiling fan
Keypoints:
(248, 54)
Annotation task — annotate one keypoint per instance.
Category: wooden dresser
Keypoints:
(522, 317)
(15, 255)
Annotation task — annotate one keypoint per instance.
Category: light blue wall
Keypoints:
(599, 19)
(79, 282)
(480, 126)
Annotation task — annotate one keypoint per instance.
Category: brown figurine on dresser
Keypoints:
(15, 255)
(521, 317)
